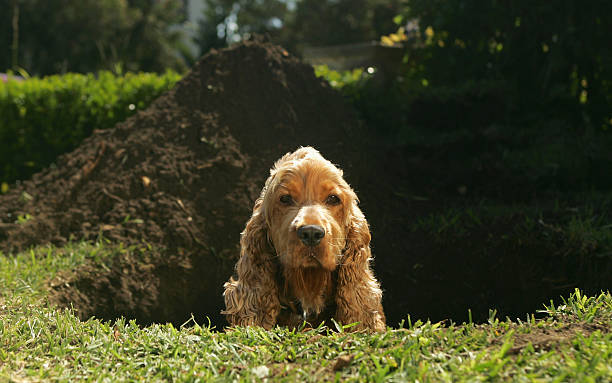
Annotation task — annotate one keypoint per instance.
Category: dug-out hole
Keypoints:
(442, 283)
(493, 267)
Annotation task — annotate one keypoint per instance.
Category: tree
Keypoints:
(295, 24)
(332, 22)
(229, 21)
(57, 36)
(546, 56)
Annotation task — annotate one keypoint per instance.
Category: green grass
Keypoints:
(42, 343)
(58, 112)
(579, 229)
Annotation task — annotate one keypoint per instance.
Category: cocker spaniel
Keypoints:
(305, 252)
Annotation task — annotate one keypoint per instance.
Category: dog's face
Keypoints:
(308, 206)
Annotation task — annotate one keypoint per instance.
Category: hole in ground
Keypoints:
(497, 265)
(435, 280)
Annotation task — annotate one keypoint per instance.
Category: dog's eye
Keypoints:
(286, 199)
(333, 199)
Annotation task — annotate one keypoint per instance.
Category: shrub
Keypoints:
(526, 86)
(45, 37)
(45, 117)
(549, 58)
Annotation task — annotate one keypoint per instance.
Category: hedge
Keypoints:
(41, 118)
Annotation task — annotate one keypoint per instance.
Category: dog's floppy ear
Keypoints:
(358, 294)
(252, 299)
(357, 248)
(254, 238)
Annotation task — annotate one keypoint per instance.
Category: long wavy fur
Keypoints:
(264, 286)
(358, 293)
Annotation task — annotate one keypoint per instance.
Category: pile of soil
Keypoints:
(181, 176)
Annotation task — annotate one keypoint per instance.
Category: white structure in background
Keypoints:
(194, 12)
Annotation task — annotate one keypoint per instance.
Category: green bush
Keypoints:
(45, 117)
(549, 58)
(525, 87)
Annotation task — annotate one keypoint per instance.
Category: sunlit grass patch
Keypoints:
(39, 342)
(26, 273)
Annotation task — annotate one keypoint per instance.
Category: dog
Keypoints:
(305, 252)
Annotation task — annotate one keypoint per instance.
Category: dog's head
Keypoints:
(306, 221)
(307, 208)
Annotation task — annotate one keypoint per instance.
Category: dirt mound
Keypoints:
(181, 176)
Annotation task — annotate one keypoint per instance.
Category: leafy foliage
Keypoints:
(339, 79)
(340, 21)
(548, 59)
(228, 21)
(59, 36)
(43, 118)
(526, 86)
(294, 24)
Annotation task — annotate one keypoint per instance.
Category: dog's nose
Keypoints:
(310, 235)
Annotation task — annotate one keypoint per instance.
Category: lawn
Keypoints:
(571, 341)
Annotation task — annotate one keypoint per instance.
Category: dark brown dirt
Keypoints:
(546, 338)
(181, 176)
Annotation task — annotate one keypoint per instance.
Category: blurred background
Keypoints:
(58, 36)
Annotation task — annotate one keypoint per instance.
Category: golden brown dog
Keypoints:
(305, 252)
